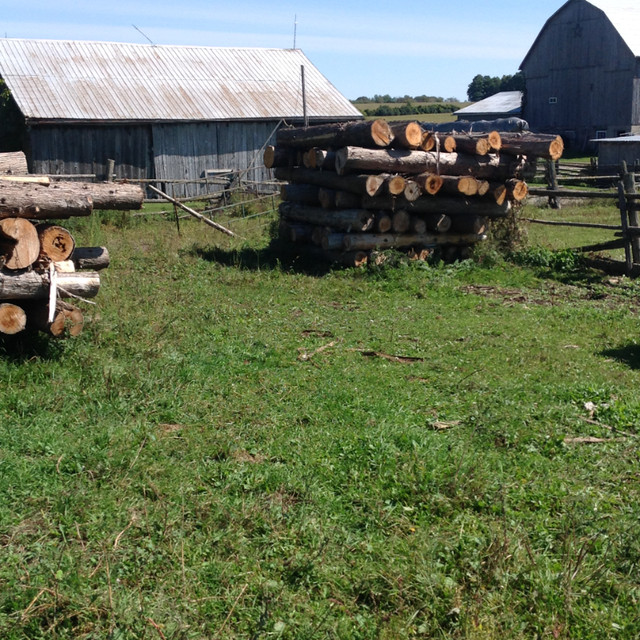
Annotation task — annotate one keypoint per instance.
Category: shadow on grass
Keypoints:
(30, 345)
(628, 354)
(272, 257)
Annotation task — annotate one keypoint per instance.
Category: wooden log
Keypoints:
(400, 221)
(360, 133)
(318, 234)
(343, 219)
(42, 180)
(418, 225)
(437, 222)
(429, 183)
(448, 205)
(459, 185)
(495, 140)
(382, 222)
(93, 258)
(469, 224)
(347, 200)
(279, 157)
(448, 144)
(119, 196)
(412, 190)
(38, 202)
(395, 185)
(329, 179)
(539, 145)
(19, 244)
(27, 285)
(67, 319)
(420, 254)
(332, 241)
(327, 197)
(302, 193)
(368, 241)
(324, 159)
(56, 242)
(300, 232)
(474, 145)
(483, 187)
(406, 135)
(13, 318)
(375, 185)
(499, 192)
(352, 159)
(517, 190)
(428, 142)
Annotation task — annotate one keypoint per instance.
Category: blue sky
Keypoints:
(363, 48)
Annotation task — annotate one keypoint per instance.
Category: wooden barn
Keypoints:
(582, 72)
(160, 112)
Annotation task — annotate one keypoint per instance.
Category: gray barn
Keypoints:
(582, 73)
(161, 112)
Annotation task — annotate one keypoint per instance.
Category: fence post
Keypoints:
(629, 184)
(552, 183)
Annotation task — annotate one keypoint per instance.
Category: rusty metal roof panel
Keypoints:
(104, 81)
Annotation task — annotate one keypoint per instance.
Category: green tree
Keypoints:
(482, 87)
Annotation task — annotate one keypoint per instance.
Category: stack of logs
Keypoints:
(356, 187)
(40, 263)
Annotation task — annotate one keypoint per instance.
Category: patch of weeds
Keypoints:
(564, 260)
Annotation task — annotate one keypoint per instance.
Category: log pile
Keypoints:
(41, 268)
(351, 189)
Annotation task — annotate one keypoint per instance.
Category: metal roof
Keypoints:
(505, 102)
(60, 80)
(619, 140)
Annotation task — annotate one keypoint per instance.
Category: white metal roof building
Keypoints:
(161, 111)
(505, 104)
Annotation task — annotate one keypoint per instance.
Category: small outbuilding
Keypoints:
(506, 104)
(161, 112)
(613, 151)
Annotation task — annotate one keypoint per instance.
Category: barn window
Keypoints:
(553, 100)
(601, 133)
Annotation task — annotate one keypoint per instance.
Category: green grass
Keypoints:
(226, 452)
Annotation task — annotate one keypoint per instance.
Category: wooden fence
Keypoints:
(619, 188)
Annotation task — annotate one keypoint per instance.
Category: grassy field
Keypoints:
(422, 117)
(246, 444)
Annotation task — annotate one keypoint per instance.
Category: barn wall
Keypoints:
(187, 151)
(581, 61)
(83, 149)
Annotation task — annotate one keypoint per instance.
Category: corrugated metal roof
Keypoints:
(505, 102)
(620, 140)
(106, 81)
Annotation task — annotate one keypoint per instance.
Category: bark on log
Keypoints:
(13, 318)
(329, 179)
(27, 285)
(56, 242)
(93, 258)
(365, 133)
(302, 193)
(406, 135)
(37, 202)
(418, 225)
(351, 159)
(533, 144)
(368, 241)
(19, 244)
(332, 199)
(469, 224)
(460, 185)
(325, 160)
(119, 196)
(449, 206)
(344, 219)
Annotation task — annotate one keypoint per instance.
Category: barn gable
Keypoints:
(582, 75)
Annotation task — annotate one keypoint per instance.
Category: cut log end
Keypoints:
(56, 243)
(19, 244)
(13, 319)
(381, 133)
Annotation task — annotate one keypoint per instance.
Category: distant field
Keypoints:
(424, 117)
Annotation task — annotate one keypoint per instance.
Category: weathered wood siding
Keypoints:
(611, 154)
(188, 151)
(581, 77)
(84, 149)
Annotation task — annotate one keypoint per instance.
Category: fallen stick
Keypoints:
(193, 213)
